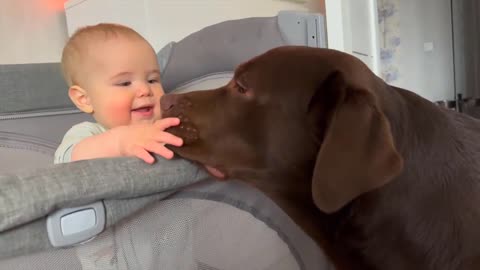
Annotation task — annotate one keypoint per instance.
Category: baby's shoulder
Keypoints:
(86, 127)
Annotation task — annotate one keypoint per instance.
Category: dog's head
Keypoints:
(291, 114)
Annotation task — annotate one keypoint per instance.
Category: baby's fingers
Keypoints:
(161, 150)
(143, 154)
(169, 138)
(167, 122)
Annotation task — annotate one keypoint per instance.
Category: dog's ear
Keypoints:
(357, 154)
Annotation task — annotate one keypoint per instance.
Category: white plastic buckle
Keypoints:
(70, 226)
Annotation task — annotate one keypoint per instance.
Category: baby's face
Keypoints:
(123, 82)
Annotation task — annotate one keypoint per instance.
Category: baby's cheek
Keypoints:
(158, 112)
(119, 112)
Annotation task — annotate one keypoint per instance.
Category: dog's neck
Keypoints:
(411, 129)
(299, 206)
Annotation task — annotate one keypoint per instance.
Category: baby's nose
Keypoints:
(144, 90)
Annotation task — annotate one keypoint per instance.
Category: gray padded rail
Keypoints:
(30, 142)
(33, 87)
(219, 48)
(35, 112)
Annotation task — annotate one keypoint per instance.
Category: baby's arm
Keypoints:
(133, 140)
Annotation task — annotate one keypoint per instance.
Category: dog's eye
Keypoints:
(240, 89)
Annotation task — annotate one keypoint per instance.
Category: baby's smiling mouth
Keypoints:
(144, 110)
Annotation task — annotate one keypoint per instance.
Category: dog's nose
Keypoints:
(167, 102)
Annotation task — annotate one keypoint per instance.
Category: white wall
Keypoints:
(196, 15)
(406, 62)
(31, 31)
(88, 12)
(414, 41)
(172, 19)
(415, 24)
(34, 31)
(352, 27)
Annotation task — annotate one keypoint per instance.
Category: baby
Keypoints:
(113, 74)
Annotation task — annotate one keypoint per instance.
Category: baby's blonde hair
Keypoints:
(78, 44)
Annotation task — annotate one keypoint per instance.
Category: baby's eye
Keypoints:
(124, 83)
(153, 81)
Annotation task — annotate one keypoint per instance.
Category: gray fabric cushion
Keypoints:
(126, 184)
(33, 87)
(221, 47)
(82, 182)
(197, 228)
(30, 142)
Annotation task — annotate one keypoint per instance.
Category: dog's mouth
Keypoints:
(190, 134)
(215, 172)
(186, 130)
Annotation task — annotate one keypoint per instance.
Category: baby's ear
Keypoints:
(80, 98)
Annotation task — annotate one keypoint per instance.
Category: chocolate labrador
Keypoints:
(380, 177)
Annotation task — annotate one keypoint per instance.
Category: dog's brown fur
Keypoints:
(380, 177)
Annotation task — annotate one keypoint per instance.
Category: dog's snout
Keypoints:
(168, 102)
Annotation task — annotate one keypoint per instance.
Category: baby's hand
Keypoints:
(140, 139)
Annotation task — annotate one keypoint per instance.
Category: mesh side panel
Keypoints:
(177, 234)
